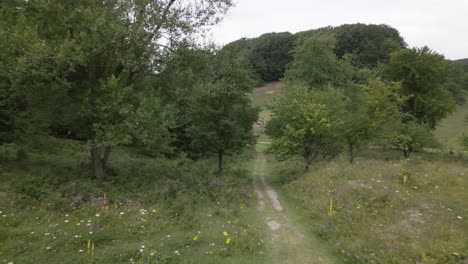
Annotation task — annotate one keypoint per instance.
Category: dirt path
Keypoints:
(287, 243)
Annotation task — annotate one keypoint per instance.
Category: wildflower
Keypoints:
(168, 236)
(196, 238)
(81, 251)
(121, 213)
(46, 234)
(459, 217)
(228, 240)
(142, 246)
(90, 232)
(152, 254)
(225, 234)
(245, 231)
(66, 221)
(48, 248)
(141, 250)
(32, 233)
(177, 253)
(154, 211)
(212, 244)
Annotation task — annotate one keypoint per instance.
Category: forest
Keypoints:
(125, 139)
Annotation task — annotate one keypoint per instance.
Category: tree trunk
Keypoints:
(107, 151)
(98, 165)
(307, 162)
(406, 153)
(220, 162)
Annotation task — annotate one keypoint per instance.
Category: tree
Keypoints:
(188, 68)
(222, 114)
(270, 53)
(316, 65)
(456, 82)
(422, 73)
(388, 123)
(77, 78)
(410, 136)
(357, 128)
(308, 123)
(368, 44)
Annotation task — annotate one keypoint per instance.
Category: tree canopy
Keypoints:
(422, 73)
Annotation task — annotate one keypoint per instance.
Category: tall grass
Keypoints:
(152, 211)
(374, 211)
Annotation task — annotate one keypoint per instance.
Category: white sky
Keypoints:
(441, 25)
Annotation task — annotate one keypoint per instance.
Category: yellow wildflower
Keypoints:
(245, 231)
(154, 211)
(228, 240)
(225, 234)
(196, 238)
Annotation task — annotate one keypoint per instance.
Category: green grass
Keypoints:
(152, 211)
(449, 131)
(375, 211)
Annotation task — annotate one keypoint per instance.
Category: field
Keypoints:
(152, 211)
(383, 208)
(452, 128)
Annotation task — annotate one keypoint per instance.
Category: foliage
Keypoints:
(422, 74)
(457, 81)
(357, 127)
(316, 65)
(410, 136)
(307, 123)
(221, 112)
(187, 69)
(74, 73)
(368, 45)
(269, 55)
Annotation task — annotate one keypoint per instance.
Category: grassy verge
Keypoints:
(152, 211)
(375, 211)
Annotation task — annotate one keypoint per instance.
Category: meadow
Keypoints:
(152, 211)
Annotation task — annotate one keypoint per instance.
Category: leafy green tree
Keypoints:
(369, 45)
(357, 127)
(316, 65)
(187, 69)
(456, 81)
(222, 114)
(422, 74)
(410, 136)
(308, 123)
(390, 124)
(270, 54)
(77, 78)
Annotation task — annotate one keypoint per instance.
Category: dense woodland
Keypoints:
(130, 80)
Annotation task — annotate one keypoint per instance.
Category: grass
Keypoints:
(152, 211)
(449, 131)
(376, 211)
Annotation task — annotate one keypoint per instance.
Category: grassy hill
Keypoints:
(450, 129)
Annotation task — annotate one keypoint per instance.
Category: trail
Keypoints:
(287, 243)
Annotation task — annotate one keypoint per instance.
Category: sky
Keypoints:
(440, 25)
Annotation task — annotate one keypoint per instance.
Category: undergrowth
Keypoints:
(151, 211)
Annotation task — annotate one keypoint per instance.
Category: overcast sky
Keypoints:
(441, 25)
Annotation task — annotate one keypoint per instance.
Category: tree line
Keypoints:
(333, 104)
(130, 73)
(365, 46)
(121, 73)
